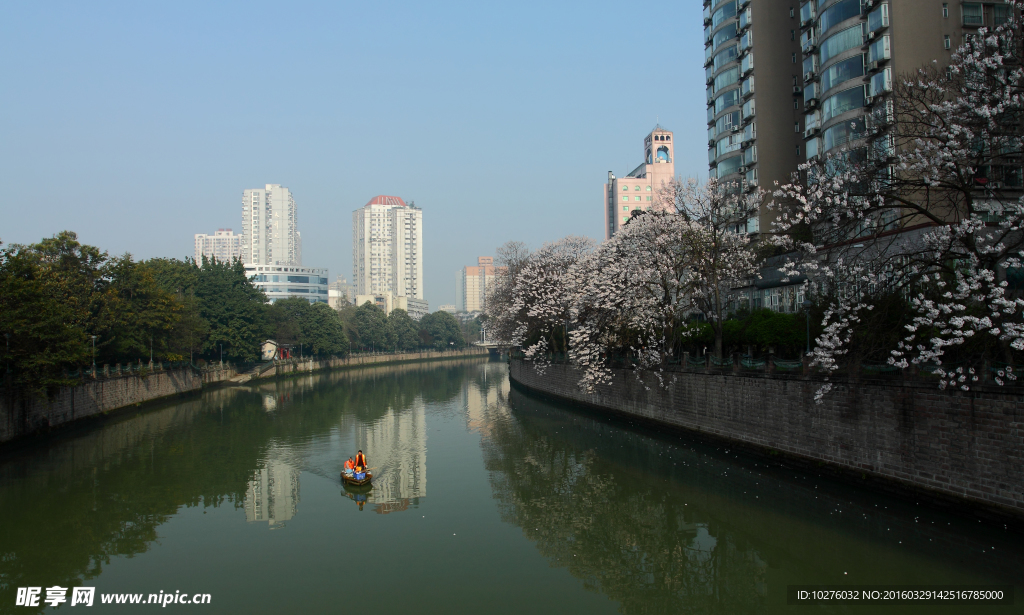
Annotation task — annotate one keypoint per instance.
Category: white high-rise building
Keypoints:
(223, 245)
(387, 248)
(270, 227)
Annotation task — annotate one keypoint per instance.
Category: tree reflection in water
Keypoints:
(663, 524)
(71, 503)
(610, 523)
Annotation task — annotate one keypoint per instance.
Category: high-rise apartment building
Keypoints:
(821, 67)
(754, 107)
(474, 283)
(853, 49)
(223, 245)
(387, 248)
(270, 227)
(638, 190)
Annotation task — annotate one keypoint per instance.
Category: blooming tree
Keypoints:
(924, 204)
(530, 303)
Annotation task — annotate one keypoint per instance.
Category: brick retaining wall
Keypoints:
(964, 446)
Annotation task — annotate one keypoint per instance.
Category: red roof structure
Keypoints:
(381, 199)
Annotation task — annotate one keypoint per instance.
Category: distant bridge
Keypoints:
(496, 350)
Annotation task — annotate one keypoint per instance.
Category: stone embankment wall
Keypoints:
(362, 360)
(19, 417)
(959, 447)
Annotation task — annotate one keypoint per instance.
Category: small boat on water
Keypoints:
(352, 479)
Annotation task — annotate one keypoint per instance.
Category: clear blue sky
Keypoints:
(137, 124)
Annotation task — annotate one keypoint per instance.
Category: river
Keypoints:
(485, 500)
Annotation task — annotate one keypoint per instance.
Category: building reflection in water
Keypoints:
(272, 494)
(396, 445)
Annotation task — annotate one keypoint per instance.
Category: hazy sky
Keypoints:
(137, 125)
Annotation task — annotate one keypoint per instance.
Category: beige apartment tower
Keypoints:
(475, 281)
(223, 245)
(387, 248)
(639, 188)
(270, 227)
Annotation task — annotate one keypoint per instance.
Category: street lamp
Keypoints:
(222, 354)
(807, 308)
(93, 351)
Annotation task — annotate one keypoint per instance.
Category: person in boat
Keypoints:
(360, 462)
(349, 466)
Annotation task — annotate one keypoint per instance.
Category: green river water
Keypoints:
(485, 500)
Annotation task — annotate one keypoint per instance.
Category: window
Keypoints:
(791, 13)
(945, 41)
(725, 34)
(879, 50)
(728, 99)
(726, 122)
(727, 78)
(796, 126)
(945, 9)
(638, 188)
(794, 58)
(842, 102)
(625, 219)
(840, 42)
(881, 82)
(797, 150)
(972, 14)
(729, 165)
(648, 188)
(625, 208)
(625, 198)
(812, 148)
(1000, 14)
(841, 72)
(878, 18)
(838, 12)
(648, 198)
(842, 133)
(719, 16)
(792, 35)
(637, 198)
(625, 188)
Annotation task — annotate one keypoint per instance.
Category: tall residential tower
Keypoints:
(754, 108)
(387, 248)
(270, 227)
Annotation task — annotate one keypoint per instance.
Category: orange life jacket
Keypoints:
(349, 465)
(361, 460)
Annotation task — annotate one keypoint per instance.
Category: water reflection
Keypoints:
(273, 494)
(662, 525)
(70, 504)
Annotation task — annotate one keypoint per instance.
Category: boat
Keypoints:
(348, 479)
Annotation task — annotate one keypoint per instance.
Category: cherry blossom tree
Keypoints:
(530, 303)
(924, 204)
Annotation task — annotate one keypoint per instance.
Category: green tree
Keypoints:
(43, 334)
(370, 322)
(402, 331)
(323, 333)
(442, 330)
(234, 310)
(135, 315)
